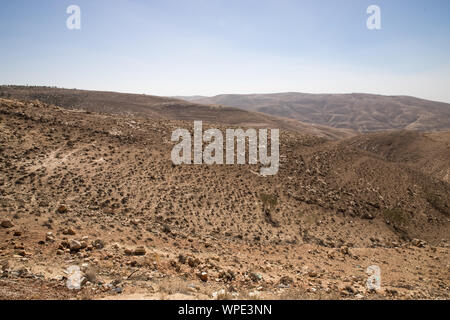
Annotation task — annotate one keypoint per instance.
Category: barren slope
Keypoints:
(360, 112)
(107, 182)
(428, 152)
(155, 107)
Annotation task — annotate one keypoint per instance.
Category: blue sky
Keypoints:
(207, 47)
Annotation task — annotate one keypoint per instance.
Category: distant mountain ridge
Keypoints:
(358, 111)
(169, 108)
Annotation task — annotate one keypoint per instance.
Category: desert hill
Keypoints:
(359, 112)
(162, 108)
(428, 152)
(99, 190)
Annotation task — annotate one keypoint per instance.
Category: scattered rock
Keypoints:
(367, 216)
(69, 232)
(7, 224)
(75, 245)
(117, 290)
(286, 281)
(98, 244)
(418, 243)
(227, 276)
(203, 276)
(49, 237)
(254, 294)
(255, 277)
(219, 294)
(390, 291)
(193, 262)
(182, 259)
(139, 251)
(23, 253)
(348, 290)
(344, 250)
(135, 221)
(62, 209)
(64, 244)
(312, 274)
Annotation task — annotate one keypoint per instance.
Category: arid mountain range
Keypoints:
(359, 112)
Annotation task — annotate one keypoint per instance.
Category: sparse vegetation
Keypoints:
(91, 275)
(395, 216)
(270, 202)
(439, 202)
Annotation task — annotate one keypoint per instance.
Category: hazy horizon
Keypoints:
(225, 93)
(175, 48)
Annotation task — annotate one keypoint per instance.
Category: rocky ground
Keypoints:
(99, 191)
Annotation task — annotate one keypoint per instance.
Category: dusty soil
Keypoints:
(99, 191)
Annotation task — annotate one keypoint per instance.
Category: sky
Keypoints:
(209, 47)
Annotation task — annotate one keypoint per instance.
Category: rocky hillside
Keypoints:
(99, 191)
(161, 108)
(428, 152)
(359, 112)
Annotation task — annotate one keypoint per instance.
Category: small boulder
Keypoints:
(193, 262)
(69, 232)
(139, 251)
(49, 237)
(98, 244)
(203, 276)
(286, 281)
(367, 216)
(62, 209)
(418, 243)
(75, 245)
(344, 250)
(182, 258)
(23, 253)
(7, 224)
